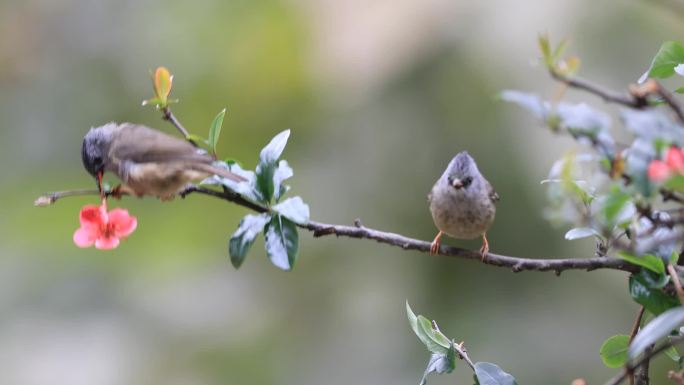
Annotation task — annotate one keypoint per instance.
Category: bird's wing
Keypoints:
(141, 144)
(492, 194)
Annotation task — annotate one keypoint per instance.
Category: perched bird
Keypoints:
(462, 203)
(147, 161)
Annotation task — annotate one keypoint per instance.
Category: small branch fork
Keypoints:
(636, 98)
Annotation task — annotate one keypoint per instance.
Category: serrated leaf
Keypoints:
(581, 232)
(649, 261)
(294, 209)
(215, 130)
(282, 242)
(657, 329)
(490, 374)
(267, 164)
(614, 351)
(654, 300)
(163, 81)
(250, 226)
(282, 172)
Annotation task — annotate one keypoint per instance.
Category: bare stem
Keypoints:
(677, 284)
(168, 115)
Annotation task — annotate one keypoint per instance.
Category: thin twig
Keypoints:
(463, 353)
(625, 99)
(618, 378)
(633, 333)
(677, 284)
(670, 100)
(168, 115)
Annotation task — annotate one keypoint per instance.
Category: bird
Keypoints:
(462, 203)
(147, 161)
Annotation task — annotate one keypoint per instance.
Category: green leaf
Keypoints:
(267, 164)
(282, 242)
(673, 354)
(675, 183)
(293, 209)
(283, 172)
(215, 130)
(614, 204)
(250, 226)
(674, 258)
(654, 300)
(658, 328)
(649, 261)
(614, 351)
(581, 232)
(545, 48)
(440, 364)
(490, 374)
(413, 320)
(434, 340)
(653, 280)
(670, 55)
(679, 90)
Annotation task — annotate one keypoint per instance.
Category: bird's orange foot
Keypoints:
(484, 250)
(121, 190)
(434, 246)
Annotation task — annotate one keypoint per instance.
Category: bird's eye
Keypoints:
(97, 160)
(467, 181)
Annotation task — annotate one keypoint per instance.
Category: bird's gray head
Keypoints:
(462, 171)
(95, 148)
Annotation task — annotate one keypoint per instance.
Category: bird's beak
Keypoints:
(98, 180)
(456, 183)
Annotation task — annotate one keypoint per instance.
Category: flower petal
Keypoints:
(85, 236)
(122, 223)
(107, 242)
(675, 159)
(93, 216)
(658, 171)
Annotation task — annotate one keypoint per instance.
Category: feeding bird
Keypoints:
(147, 161)
(462, 203)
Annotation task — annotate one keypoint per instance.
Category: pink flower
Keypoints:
(659, 171)
(103, 229)
(675, 159)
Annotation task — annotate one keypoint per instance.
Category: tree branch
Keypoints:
(625, 99)
(359, 231)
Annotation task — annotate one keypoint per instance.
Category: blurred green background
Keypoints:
(379, 96)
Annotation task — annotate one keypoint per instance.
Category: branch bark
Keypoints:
(359, 231)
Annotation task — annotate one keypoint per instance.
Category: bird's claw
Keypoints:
(436, 243)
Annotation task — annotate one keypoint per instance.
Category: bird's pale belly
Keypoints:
(163, 181)
(460, 217)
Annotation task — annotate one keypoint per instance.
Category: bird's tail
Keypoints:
(220, 172)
